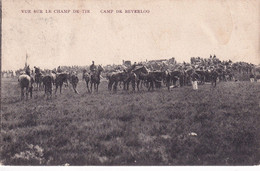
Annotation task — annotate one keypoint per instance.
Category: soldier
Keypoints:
(194, 80)
(252, 78)
(214, 77)
(27, 70)
(133, 66)
(37, 70)
(92, 68)
(59, 69)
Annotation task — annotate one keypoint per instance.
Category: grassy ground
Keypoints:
(211, 126)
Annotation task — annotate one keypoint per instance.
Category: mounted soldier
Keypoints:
(38, 77)
(92, 68)
(59, 69)
(27, 70)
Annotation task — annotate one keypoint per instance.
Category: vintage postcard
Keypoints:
(130, 83)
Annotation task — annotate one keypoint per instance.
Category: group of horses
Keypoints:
(137, 77)
(140, 75)
(47, 80)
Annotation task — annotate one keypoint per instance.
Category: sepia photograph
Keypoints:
(130, 83)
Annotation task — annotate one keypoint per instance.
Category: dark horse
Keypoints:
(171, 77)
(152, 78)
(38, 78)
(47, 81)
(139, 71)
(95, 78)
(74, 80)
(86, 77)
(214, 76)
(26, 82)
(114, 78)
(121, 76)
(59, 80)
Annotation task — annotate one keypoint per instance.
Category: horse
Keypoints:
(95, 78)
(127, 78)
(214, 76)
(26, 82)
(153, 78)
(114, 78)
(86, 77)
(59, 80)
(47, 81)
(74, 80)
(38, 78)
(171, 77)
(201, 75)
(121, 77)
(138, 71)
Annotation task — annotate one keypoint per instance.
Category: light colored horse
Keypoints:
(25, 82)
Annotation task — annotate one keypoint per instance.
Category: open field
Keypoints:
(211, 126)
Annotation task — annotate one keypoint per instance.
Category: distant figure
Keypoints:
(252, 78)
(92, 68)
(37, 70)
(194, 80)
(133, 66)
(59, 69)
(214, 77)
(25, 82)
(27, 70)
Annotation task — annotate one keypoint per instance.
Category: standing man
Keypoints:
(214, 77)
(59, 69)
(194, 80)
(133, 66)
(252, 78)
(27, 70)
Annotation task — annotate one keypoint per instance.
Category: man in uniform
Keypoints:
(252, 78)
(59, 69)
(133, 66)
(194, 80)
(214, 77)
(27, 70)
(92, 68)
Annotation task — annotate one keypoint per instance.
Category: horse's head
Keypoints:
(100, 68)
(142, 69)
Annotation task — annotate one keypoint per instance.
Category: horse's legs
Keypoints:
(87, 86)
(22, 93)
(45, 91)
(133, 85)
(74, 86)
(115, 86)
(30, 90)
(57, 86)
(97, 86)
(91, 84)
(120, 84)
(110, 83)
(60, 87)
(137, 84)
(153, 85)
(27, 90)
(127, 85)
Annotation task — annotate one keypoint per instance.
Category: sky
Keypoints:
(172, 28)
